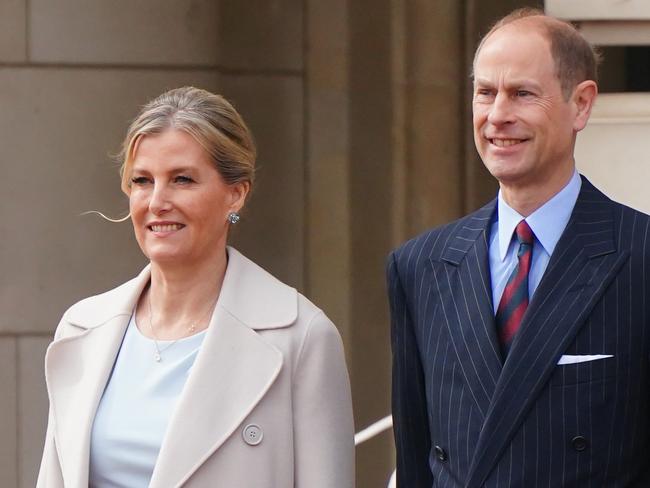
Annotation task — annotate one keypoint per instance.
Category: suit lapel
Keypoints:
(464, 286)
(581, 267)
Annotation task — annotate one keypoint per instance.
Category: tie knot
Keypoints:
(524, 233)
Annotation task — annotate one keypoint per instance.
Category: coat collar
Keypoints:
(231, 374)
(256, 298)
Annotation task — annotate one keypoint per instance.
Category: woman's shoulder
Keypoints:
(96, 309)
(258, 296)
(254, 296)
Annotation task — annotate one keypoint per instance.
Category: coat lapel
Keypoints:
(232, 373)
(581, 267)
(77, 368)
(469, 316)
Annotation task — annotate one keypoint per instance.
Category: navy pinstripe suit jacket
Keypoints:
(464, 418)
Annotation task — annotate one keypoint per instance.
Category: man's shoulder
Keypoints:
(432, 242)
(622, 214)
(631, 227)
(625, 212)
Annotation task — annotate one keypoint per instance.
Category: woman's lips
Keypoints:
(165, 227)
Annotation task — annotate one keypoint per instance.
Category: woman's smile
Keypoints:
(178, 200)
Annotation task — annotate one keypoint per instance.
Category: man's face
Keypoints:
(523, 127)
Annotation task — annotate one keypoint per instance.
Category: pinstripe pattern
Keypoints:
(513, 423)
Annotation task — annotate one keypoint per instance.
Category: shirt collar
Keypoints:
(547, 222)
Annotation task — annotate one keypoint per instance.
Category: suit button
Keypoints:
(579, 443)
(252, 434)
(441, 454)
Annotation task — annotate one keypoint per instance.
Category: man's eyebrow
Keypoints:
(529, 82)
(510, 84)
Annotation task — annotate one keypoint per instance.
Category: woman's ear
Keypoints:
(238, 194)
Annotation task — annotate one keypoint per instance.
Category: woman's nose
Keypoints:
(159, 202)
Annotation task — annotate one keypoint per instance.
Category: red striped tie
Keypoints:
(514, 300)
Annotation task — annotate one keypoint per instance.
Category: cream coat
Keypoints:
(270, 358)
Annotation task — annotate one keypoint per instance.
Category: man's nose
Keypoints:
(502, 110)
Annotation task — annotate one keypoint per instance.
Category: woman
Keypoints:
(204, 370)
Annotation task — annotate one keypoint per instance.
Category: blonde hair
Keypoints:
(207, 117)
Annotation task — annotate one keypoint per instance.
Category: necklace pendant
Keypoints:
(157, 357)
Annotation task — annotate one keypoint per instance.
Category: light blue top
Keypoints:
(547, 223)
(136, 406)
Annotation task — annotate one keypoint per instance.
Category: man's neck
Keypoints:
(526, 198)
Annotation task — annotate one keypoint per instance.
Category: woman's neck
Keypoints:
(179, 300)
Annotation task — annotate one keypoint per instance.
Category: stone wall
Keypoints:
(360, 112)
(72, 75)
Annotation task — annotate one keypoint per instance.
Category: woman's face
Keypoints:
(179, 203)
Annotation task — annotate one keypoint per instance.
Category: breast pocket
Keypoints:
(593, 371)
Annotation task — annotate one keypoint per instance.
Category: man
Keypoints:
(520, 349)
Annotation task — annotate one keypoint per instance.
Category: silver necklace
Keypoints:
(191, 329)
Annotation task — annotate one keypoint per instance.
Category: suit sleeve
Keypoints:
(410, 418)
(323, 423)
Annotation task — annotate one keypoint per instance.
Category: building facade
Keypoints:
(361, 112)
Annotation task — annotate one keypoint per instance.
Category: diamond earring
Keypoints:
(233, 217)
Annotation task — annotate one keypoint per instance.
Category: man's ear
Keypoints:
(583, 99)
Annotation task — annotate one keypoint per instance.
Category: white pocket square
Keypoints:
(573, 359)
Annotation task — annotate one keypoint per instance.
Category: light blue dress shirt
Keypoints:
(547, 223)
(136, 407)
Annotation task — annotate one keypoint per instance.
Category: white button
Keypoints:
(252, 434)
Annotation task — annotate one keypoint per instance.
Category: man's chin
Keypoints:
(504, 170)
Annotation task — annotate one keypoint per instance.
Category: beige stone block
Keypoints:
(13, 36)
(59, 128)
(272, 229)
(32, 406)
(258, 34)
(8, 416)
(328, 161)
(432, 86)
(158, 32)
(601, 10)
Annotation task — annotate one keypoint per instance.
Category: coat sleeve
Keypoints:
(323, 423)
(410, 418)
(49, 473)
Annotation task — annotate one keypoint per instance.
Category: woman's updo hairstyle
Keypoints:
(207, 117)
